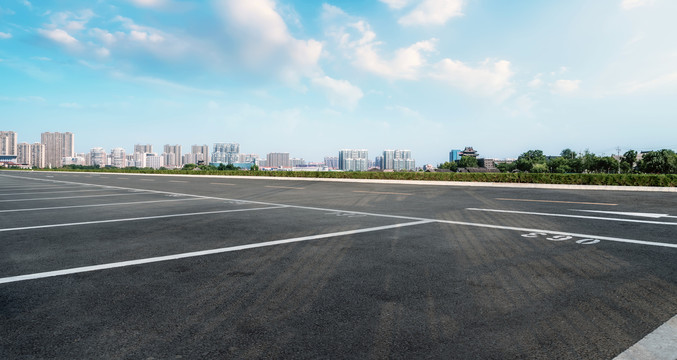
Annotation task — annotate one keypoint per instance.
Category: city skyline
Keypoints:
(313, 78)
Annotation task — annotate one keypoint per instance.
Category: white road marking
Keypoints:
(638, 214)
(201, 253)
(622, 240)
(147, 179)
(49, 192)
(380, 192)
(177, 181)
(68, 197)
(284, 187)
(660, 344)
(575, 216)
(221, 184)
(135, 219)
(30, 187)
(557, 201)
(98, 205)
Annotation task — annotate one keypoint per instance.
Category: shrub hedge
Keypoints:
(664, 180)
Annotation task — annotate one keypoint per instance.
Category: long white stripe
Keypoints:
(134, 219)
(50, 192)
(97, 205)
(576, 216)
(69, 197)
(200, 253)
(631, 241)
(660, 344)
(638, 214)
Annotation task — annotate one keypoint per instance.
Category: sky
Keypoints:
(313, 77)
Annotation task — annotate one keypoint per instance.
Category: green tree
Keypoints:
(189, 166)
(504, 167)
(659, 162)
(467, 162)
(254, 168)
(568, 154)
(559, 165)
(628, 161)
(527, 160)
(453, 166)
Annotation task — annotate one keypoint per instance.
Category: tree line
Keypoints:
(534, 161)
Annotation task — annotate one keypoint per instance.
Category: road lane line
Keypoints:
(575, 216)
(558, 202)
(660, 344)
(69, 197)
(49, 192)
(135, 219)
(221, 184)
(202, 253)
(380, 192)
(622, 240)
(284, 187)
(97, 205)
(178, 181)
(638, 214)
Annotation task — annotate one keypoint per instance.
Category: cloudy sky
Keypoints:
(312, 77)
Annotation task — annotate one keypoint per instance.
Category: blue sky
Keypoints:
(311, 78)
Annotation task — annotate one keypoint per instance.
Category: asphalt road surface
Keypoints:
(165, 267)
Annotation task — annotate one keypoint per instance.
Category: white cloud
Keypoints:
(565, 86)
(5, 35)
(395, 4)
(536, 82)
(264, 40)
(167, 85)
(71, 22)
(150, 3)
(405, 64)
(59, 36)
(521, 106)
(339, 92)
(331, 11)
(658, 82)
(433, 12)
(631, 4)
(487, 79)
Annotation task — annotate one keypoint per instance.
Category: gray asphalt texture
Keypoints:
(433, 290)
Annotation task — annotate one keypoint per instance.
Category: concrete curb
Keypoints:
(413, 182)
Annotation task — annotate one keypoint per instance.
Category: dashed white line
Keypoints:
(201, 253)
(49, 192)
(637, 214)
(557, 201)
(221, 184)
(284, 187)
(135, 219)
(68, 197)
(98, 205)
(380, 192)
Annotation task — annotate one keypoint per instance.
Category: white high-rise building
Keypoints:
(226, 153)
(353, 160)
(331, 162)
(57, 146)
(154, 161)
(140, 159)
(169, 160)
(97, 157)
(8, 143)
(397, 160)
(200, 149)
(176, 159)
(23, 153)
(143, 148)
(118, 158)
(37, 155)
(278, 160)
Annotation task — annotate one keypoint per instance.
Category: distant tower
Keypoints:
(57, 146)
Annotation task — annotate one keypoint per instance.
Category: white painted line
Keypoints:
(201, 253)
(622, 240)
(98, 205)
(69, 197)
(661, 344)
(135, 219)
(146, 179)
(638, 214)
(23, 188)
(380, 192)
(49, 192)
(557, 201)
(575, 216)
(177, 181)
(284, 187)
(221, 184)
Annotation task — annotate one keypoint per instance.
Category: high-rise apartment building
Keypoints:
(140, 159)
(397, 160)
(278, 160)
(23, 153)
(331, 162)
(225, 153)
(200, 149)
(353, 159)
(154, 161)
(97, 157)
(118, 158)
(37, 155)
(176, 159)
(454, 155)
(143, 148)
(8, 142)
(169, 159)
(57, 146)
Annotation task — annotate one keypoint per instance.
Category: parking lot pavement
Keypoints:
(108, 265)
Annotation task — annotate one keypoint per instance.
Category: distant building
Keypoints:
(397, 160)
(97, 156)
(154, 161)
(297, 162)
(118, 158)
(469, 151)
(8, 143)
(75, 160)
(353, 160)
(378, 162)
(278, 160)
(37, 155)
(140, 159)
(143, 148)
(331, 162)
(199, 149)
(23, 153)
(57, 146)
(454, 155)
(225, 153)
(248, 158)
(169, 160)
(487, 163)
(176, 159)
